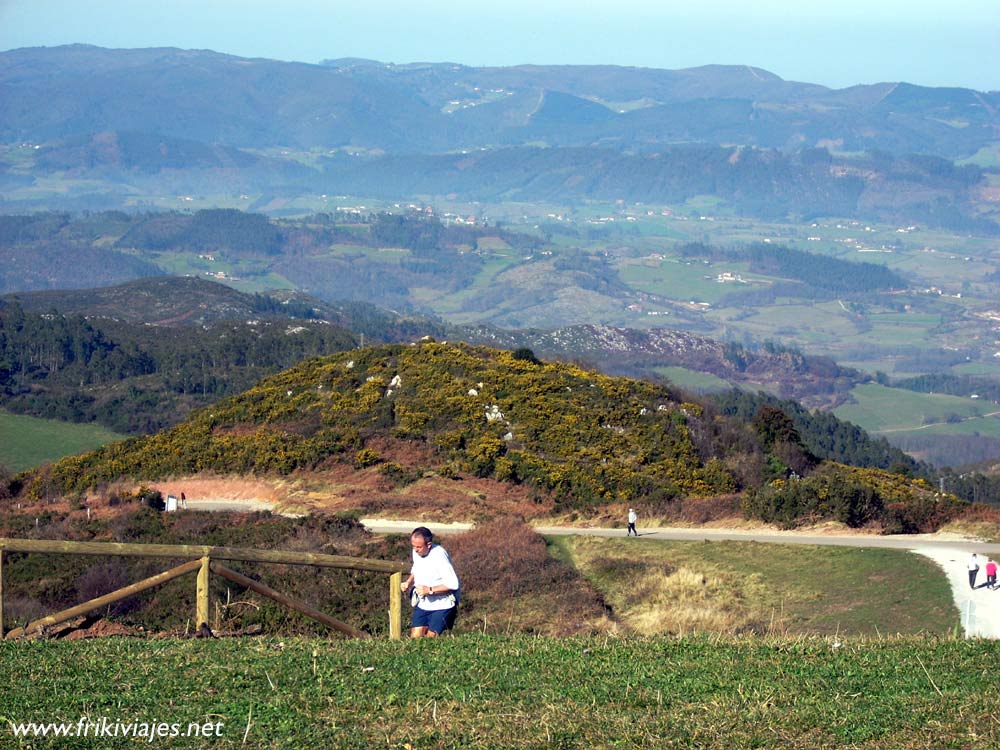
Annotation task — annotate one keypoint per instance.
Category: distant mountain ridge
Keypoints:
(815, 380)
(121, 125)
(155, 301)
(435, 107)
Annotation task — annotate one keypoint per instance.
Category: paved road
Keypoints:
(979, 609)
(900, 541)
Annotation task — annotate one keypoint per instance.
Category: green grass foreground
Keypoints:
(476, 691)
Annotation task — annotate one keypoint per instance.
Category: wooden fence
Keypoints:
(205, 560)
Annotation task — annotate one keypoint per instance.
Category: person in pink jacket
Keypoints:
(991, 574)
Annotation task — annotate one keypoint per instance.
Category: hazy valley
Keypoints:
(713, 226)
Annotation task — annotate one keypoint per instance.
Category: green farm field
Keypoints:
(882, 409)
(826, 322)
(692, 380)
(990, 369)
(26, 442)
(452, 304)
(685, 280)
(246, 276)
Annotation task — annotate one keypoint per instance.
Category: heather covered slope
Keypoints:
(583, 436)
(552, 434)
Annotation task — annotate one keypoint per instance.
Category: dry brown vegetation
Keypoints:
(341, 488)
(681, 588)
(652, 595)
(515, 585)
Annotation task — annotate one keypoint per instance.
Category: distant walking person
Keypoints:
(435, 586)
(632, 518)
(973, 570)
(991, 574)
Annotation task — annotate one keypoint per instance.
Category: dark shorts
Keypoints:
(438, 620)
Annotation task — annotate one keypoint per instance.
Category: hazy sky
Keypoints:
(833, 42)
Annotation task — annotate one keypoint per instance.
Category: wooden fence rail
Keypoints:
(203, 562)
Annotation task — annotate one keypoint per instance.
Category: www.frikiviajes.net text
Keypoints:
(108, 728)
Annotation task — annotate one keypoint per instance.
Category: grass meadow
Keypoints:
(692, 380)
(477, 692)
(717, 646)
(657, 587)
(28, 441)
(820, 325)
(878, 408)
(686, 280)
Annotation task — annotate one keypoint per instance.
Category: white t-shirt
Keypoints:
(435, 569)
(632, 516)
(973, 563)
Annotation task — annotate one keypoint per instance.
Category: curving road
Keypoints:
(770, 536)
(979, 609)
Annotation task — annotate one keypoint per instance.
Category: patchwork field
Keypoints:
(882, 410)
(686, 587)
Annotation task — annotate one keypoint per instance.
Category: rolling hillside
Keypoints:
(555, 434)
(178, 325)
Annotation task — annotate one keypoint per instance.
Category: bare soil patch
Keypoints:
(83, 628)
(220, 488)
(342, 488)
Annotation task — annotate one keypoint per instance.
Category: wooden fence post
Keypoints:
(201, 607)
(1, 594)
(203, 565)
(103, 601)
(395, 606)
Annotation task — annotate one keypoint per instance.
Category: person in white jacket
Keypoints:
(973, 567)
(435, 585)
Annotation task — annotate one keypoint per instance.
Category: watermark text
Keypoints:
(104, 727)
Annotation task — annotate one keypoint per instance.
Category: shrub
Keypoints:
(921, 516)
(152, 499)
(366, 457)
(143, 525)
(702, 510)
(483, 454)
(525, 354)
(5, 484)
(103, 578)
(20, 610)
(507, 572)
(397, 474)
(39, 584)
(790, 503)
